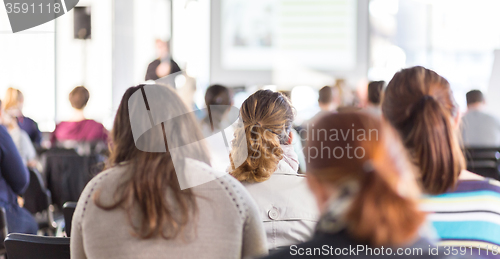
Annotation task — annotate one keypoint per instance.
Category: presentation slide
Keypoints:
(261, 34)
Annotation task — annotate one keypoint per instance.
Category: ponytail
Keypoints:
(266, 118)
(433, 144)
(419, 104)
(264, 154)
(380, 216)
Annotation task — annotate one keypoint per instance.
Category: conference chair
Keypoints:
(67, 173)
(3, 230)
(68, 211)
(23, 246)
(38, 201)
(483, 161)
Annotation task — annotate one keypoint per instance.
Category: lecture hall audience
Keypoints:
(360, 197)
(137, 209)
(462, 205)
(409, 185)
(479, 128)
(269, 171)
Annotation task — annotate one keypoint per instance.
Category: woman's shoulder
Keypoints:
(484, 184)
(105, 182)
(216, 182)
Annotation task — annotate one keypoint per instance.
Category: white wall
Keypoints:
(88, 63)
(137, 24)
(27, 63)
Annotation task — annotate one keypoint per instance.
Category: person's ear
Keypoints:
(290, 138)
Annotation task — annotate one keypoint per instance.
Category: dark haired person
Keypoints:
(14, 179)
(140, 206)
(164, 65)
(419, 103)
(364, 209)
(269, 171)
(79, 128)
(479, 128)
(374, 97)
(219, 101)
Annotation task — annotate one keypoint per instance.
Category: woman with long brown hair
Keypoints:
(365, 189)
(150, 202)
(268, 168)
(419, 103)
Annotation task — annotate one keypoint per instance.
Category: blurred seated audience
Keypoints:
(479, 129)
(269, 169)
(374, 97)
(78, 128)
(164, 65)
(138, 208)
(419, 103)
(14, 180)
(13, 105)
(359, 194)
(20, 138)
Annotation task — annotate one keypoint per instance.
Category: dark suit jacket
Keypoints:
(151, 73)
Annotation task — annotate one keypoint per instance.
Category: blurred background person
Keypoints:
(420, 105)
(269, 172)
(14, 180)
(164, 65)
(479, 128)
(361, 199)
(13, 103)
(20, 137)
(374, 97)
(328, 101)
(219, 101)
(139, 198)
(78, 128)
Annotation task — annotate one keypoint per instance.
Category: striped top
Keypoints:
(467, 216)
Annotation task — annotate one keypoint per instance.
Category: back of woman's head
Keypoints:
(151, 175)
(218, 99)
(266, 118)
(12, 99)
(420, 105)
(361, 158)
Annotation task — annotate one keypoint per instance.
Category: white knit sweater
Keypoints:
(227, 226)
